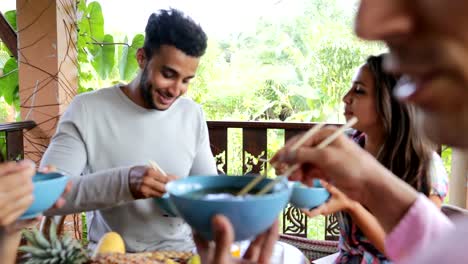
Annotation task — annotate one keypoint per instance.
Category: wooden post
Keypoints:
(47, 66)
(8, 36)
(457, 186)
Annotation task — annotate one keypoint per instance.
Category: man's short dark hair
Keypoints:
(172, 27)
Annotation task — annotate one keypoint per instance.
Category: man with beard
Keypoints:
(105, 139)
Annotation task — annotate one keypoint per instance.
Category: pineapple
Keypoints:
(55, 250)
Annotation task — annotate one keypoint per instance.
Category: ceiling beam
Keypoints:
(8, 36)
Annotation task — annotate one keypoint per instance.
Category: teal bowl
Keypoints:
(166, 206)
(48, 187)
(305, 197)
(249, 215)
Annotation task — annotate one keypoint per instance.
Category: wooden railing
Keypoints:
(255, 146)
(14, 138)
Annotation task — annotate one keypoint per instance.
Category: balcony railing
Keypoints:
(255, 146)
(12, 136)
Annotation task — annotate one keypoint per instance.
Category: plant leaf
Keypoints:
(103, 60)
(9, 81)
(10, 16)
(95, 21)
(128, 65)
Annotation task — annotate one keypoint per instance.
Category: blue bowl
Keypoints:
(47, 189)
(166, 206)
(308, 197)
(249, 215)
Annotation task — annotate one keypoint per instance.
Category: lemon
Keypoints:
(195, 259)
(111, 242)
(235, 250)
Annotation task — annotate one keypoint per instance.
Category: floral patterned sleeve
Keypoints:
(439, 177)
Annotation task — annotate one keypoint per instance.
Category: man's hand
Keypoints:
(259, 251)
(146, 182)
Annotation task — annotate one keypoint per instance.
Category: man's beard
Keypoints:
(146, 90)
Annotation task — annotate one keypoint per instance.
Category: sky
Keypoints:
(217, 17)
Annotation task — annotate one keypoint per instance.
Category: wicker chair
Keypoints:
(452, 211)
(312, 249)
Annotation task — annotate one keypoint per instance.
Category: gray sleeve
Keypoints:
(204, 162)
(67, 152)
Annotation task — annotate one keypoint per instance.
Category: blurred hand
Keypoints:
(338, 202)
(18, 225)
(342, 163)
(16, 190)
(280, 168)
(146, 182)
(259, 251)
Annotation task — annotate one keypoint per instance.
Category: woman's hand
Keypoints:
(338, 202)
(342, 163)
(16, 190)
(354, 172)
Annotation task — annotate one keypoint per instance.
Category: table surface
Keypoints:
(283, 253)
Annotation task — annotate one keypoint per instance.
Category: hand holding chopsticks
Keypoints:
(299, 143)
(295, 146)
(156, 167)
(147, 182)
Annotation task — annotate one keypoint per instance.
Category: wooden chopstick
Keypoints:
(294, 147)
(322, 145)
(301, 140)
(156, 167)
(251, 184)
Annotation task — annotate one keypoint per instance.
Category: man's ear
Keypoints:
(141, 58)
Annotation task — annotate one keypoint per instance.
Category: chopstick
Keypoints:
(156, 167)
(294, 147)
(302, 139)
(322, 145)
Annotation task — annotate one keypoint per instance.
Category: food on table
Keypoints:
(179, 256)
(111, 242)
(194, 260)
(217, 194)
(119, 258)
(54, 249)
(68, 250)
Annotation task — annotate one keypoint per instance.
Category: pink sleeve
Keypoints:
(421, 225)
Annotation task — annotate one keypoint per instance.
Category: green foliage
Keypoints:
(103, 60)
(84, 230)
(128, 65)
(92, 21)
(5, 54)
(10, 16)
(292, 69)
(3, 150)
(8, 71)
(447, 159)
(9, 82)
